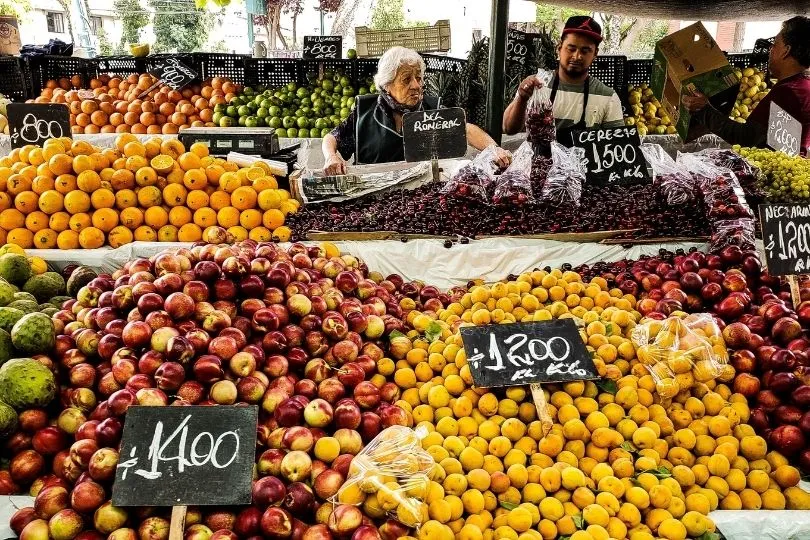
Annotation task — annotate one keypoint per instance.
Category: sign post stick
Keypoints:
(794, 290)
(178, 524)
(542, 407)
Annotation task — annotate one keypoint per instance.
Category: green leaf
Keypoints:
(628, 446)
(395, 334)
(660, 473)
(609, 329)
(563, 538)
(606, 385)
(433, 332)
(508, 505)
(578, 521)
(708, 536)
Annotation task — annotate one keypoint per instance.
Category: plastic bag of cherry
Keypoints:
(563, 184)
(475, 179)
(540, 127)
(676, 185)
(721, 191)
(514, 186)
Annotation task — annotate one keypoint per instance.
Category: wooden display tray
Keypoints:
(663, 240)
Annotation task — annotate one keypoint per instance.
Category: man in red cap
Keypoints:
(580, 101)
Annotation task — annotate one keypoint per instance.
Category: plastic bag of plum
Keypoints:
(564, 182)
(680, 351)
(733, 232)
(540, 127)
(721, 191)
(475, 179)
(394, 467)
(674, 183)
(514, 186)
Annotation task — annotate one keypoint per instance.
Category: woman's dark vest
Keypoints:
(376, 136)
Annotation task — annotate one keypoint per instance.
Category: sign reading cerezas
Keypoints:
(527, 353)
(172, 456)
(34, 123)
(436, 134)
(786, 236)
(173, 73)
(784, 131)
(613, 156)
(323, 47)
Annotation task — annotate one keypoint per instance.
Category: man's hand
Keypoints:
(527, 86)
(695, 102)
(502, 157)
(335, 165)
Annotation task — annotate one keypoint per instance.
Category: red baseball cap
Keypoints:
(583, 25)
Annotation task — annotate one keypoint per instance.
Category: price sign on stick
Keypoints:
(34, 123)
(613, 156)
(173, 73)
(436, 134)
(178, 456)
(786, 238)
(323, 47)
(784, 131)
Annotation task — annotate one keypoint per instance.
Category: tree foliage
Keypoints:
(133, 18)
(552, 18)
(179, 26)
(390, 15)
(15, 8)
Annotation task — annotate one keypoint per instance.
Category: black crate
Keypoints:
(316, 67)
(271, 72)
(45, 68)
(610, 70)
(212, 65)
(364, 68)
(118, 66)
(740, 60)
(14, 84)
(186, 58)
(638, 72)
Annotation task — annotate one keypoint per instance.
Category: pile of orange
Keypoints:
(137, 104)
(71, 194)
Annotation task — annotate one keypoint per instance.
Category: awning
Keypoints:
(715, 10)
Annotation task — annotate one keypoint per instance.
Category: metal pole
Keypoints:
(497, 67)
(251, 37)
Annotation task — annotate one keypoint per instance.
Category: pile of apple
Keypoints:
(298, 332)
(768, 336)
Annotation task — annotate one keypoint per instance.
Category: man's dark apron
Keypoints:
(376, 137)
(564, 136)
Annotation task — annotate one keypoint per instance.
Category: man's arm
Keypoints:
(514, 117)
(751, 133)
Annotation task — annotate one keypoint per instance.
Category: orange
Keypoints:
(134, 163)
(203, 217)
(228, 217)
(260, 234)
(152, 148)
(167, 233)
(250, 218)
(162, 164)
(239, 233)
(76, 202)
(156, 217)
(105, 219)
(59, 221)
(179, 216)
(51, 148)
(36, 221)
(273, 219)
(122, 179)
(21, 237)
(174, 195)
(102, 198)
(79, 222)
(11, 219)
(52, 201)
(5, 201)
(282, 234)
(219, 200)
(269, 199)
(176, 175)
(188, 161)
(134, 148)
(229, 182)
(131, 218)
(35, 157)
(81, 148)
(144, 233)
(18, 183)
(243, 198)
(146, 176)
(82, 163)
(125, 198)
(45, 239)
(254, 173)
(196, 198)
(199, 148)
(172, 148)
(41, 184)
(26, 202)
(60, 164)
(122, 140)
(289, 206)
(265, 182)
(213, 173)
(190, 232)
(67, 240)
(149, 196)
(107, 174)
(195, 179)
(119, 236)
(91, 238)
(65, 183)
(88, 181)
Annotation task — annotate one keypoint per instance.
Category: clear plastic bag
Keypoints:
(475, 179)
(746, 173)
(719, 187)
(680, 351)
(540, 127)
(675, 184)
(567, 174)
(733, 232)
(396, 468)
(514, 186)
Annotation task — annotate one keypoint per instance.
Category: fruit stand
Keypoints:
(137, 270)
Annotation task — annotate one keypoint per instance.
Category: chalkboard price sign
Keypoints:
(436, 134)
(172, 456)
(173, 73)
(613, 156)
(35, 123)
(784, 131)
(527, 353)
(323, 47)
(786, 236)
(517, 47)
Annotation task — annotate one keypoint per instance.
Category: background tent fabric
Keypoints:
(737, 10)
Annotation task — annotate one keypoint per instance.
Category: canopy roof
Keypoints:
(710, 10)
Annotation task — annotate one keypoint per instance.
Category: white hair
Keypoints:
(390, 62)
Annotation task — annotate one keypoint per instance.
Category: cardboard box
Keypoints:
(10, 42)
(689, 60)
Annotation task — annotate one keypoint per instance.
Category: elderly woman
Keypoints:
(373, 131)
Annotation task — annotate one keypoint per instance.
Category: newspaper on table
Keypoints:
(316, 186)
